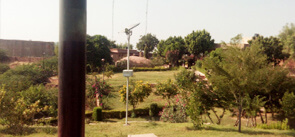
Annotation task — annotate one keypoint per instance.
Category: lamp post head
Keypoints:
(102, 60)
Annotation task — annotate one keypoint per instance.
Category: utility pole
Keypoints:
(71, 65)
(128, 73)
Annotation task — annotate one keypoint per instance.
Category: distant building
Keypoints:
(118, 54)
(22, 48)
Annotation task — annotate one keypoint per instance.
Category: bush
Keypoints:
(154, 111)
(199, 63)
(3, 68)
(15, 112)
(22, 77)
(278, 125)
(288, 104)
(47, 97)
(174, 112)
(3, 56)
(166, 89)
(136, 69)
(97, 114)
(50, 66)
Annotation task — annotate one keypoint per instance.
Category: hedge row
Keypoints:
(122, 113)
(150, 69)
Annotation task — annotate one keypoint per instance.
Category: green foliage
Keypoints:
(253, 105)
(172, 48)
(124, 46)
(287, 36)
(150, 41)
(195, 110)
(46, 97)
(97, 49)
(3, 68)
(3, 56)
(158, 61)
(138, 91)
(288, 104)
(154, 111)
(185, 78)
(272, 47)
(49, 66)
(175, 111)
(15, 112)
(22, 77)
(278, 125)
(96, 90)
(199, 42)
(97, 114)
(166, 89)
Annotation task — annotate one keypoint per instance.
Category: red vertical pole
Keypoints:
(72, 38)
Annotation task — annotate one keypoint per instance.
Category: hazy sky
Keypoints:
(39, 19)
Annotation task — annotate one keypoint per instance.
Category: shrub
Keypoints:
(50, 66)
(154, 111)
(288, 104)
(22, 77)
(96, 90)
(136, 69)
(185, 78)
(97, 114)
(15, 112)
(199, 63)
(166, 89)
(3, 56)
(138, 91)
(174, 112)
(3, 68)
(278, 125)
(47, 97)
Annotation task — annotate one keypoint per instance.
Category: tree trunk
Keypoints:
(265, 117)
(261, 117)
(210, 118)
(240, 113)
(97, 100)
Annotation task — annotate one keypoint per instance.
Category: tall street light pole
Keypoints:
(128, 73)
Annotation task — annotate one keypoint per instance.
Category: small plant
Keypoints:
(153, 109)
(288, 104)
(97, 114)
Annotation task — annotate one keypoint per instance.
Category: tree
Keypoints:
(239, 73)
(167, 90)
(124, 46)
(97, 49)
(272, 47)
(287, 36)
(148, 40)
(199, 42)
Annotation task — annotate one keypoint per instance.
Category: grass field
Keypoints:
(152, 77)
(161, 129)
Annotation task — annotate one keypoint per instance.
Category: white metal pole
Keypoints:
(127, 87)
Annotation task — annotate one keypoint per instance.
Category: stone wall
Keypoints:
(21, 48)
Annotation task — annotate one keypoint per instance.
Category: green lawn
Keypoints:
(152, 77)
(161, 129)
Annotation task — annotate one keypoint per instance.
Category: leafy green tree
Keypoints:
(97, 48)
(238, 73)
(148, 40)
(272, 47)
(287, 36)
(288, 104)
(198, 42)
(160, 48)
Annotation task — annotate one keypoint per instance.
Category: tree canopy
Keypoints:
(287, 36)
(97, 49)
(272, 47)
(150, 41)
(198, 42)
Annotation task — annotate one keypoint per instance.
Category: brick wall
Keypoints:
(21, 48)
